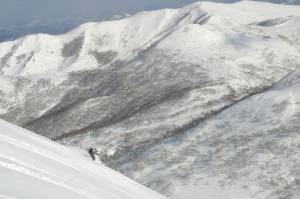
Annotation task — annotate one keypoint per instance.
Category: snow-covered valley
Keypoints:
(196, 101)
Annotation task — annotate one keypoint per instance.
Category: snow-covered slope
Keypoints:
(123, 86)
(249, 151)
(32, 167)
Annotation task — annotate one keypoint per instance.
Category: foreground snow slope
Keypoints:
(32, 167)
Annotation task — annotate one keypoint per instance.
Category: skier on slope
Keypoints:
(94, 153)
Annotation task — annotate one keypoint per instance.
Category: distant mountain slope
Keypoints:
(32, 167)
(249, 151)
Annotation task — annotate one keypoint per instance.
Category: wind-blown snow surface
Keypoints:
(32, 167)
(124, 86)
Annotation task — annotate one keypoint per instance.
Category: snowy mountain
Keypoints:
(126, 86)
(32, 167)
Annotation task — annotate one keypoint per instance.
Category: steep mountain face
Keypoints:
(125, 86)
(250, 150)
(33, 167)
